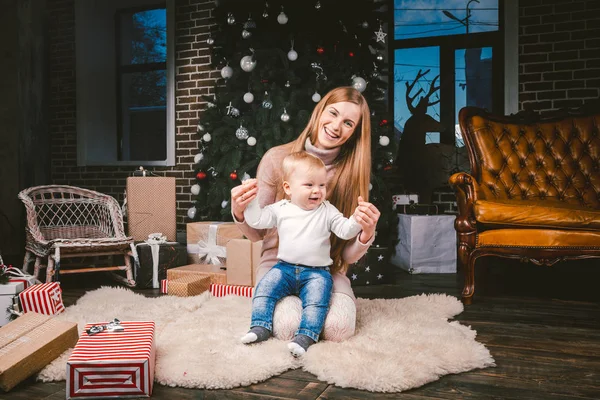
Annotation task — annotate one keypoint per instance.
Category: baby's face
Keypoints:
(307, 187)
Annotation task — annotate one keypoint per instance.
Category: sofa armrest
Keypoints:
(465, 187)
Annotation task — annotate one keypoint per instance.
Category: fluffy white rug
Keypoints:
(399, 344)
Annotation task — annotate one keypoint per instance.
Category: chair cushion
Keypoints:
(546, 238)
(552, 214)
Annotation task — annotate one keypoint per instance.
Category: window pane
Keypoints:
(413, 113)
(143, 37)
(417, 18)
(143, 115)
(473, 77)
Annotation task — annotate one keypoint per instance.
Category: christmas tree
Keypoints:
(276, 60)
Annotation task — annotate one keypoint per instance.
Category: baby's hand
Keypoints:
(367, 215)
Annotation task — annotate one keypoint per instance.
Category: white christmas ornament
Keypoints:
(251, 141)
(246, 34)
(282, 18)
(245, 177)
(230, 19)
(198, 157)
(191, 212)
(248, 63)
(316, 97)
(285, 117)
(224, 204)
(384, 140)
(359, 83)
(227, 72)
(370, 186)
(248, 97)
(241, 133)
(292, 55)
(207, 137)
(195, 189)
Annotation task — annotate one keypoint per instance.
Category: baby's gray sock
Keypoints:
(300, 344)
(256, 334)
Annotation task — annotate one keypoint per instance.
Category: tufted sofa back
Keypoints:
(525, 159)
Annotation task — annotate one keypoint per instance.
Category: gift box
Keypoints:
(188, 285)
(164, 286)
(427, 244)
(206, 241)
(219, 290)
(402, 199)
(155, 260)
(243, 259)
(16, 275)
(31, 342)
(418, 209)
(371, 269)
(151, 207)
(45, 298)
(113, 363)
(8, 293)
(216, 273)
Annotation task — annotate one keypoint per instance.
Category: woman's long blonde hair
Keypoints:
(353, 164)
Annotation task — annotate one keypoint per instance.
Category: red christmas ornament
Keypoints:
(233, 176)
(201, 175)
(320, 50)
(387, 167)
(383, 122)
(351, 54)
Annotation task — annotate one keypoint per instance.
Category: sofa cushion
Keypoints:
(553, 214)
(544, 238)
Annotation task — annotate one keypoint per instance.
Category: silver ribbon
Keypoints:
(209, 248)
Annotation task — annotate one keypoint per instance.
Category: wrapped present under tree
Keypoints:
(152, 271)
(371, 269)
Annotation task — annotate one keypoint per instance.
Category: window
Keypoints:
(449, 54)
(125, 82)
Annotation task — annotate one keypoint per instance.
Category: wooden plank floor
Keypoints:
(542, 325)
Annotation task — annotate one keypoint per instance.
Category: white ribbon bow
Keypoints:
(209, 248)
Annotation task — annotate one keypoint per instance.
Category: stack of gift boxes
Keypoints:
(220, 261)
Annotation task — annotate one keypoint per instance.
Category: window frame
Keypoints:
(504, 43)
(97, 121)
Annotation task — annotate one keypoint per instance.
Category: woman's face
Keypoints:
(337, 123)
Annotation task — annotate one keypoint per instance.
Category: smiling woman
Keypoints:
(339, 133)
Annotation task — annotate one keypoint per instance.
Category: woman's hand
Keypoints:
(367, 215)
(241, 196)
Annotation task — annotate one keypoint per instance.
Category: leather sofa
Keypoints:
(534, 189)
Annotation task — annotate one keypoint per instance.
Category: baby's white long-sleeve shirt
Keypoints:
(304, 235)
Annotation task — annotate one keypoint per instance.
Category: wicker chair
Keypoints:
(67, 221)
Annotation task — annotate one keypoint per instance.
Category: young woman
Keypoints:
(339, 133)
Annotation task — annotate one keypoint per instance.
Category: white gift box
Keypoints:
(427, 244)
(8, 292)
(402, 199)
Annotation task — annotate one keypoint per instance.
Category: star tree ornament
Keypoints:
(241, 133)
(380, 35)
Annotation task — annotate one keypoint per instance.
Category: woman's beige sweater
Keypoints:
(268, 177)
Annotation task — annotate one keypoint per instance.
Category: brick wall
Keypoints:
(559, 53)
(193, 76)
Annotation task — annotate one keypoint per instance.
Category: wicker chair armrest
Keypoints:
(117, 216)
(466, 188)
(33, 228)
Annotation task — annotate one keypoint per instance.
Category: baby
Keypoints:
(304, 225)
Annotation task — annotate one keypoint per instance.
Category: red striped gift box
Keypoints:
(45, 298)
(164, 286)
(220, 290)
(113, 363)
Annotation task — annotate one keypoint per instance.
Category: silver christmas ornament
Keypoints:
(248, 97)
(198, 157)
(359, 84)
(379, 57)
(292, 55)
(318, 5)
(246, 34)
(201, 128)
(227, 72)
(251, 141)
(265, 14)
(210, 41)
(213, 172)
(191, 213)
(267, 104)
(287, 84)
(241, 133)
(248, 63)
(365, 24)
(285, 117)
(224, 204)
(230, 19)
(249, 24)
(206, 137)
(282, 18)
(195, 189)
(316, 97)
(384, 140)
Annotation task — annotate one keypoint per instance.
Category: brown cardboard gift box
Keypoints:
(189, 285)
(215, 272)
(151, 207)
(201, 235)
(29, 343)
(243, 259)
